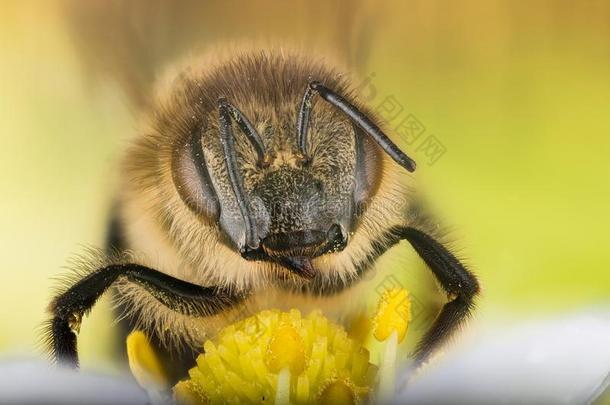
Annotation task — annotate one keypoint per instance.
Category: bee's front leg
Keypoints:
(68, 308)
(457, 281)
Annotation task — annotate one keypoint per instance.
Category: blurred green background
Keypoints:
(518, 94)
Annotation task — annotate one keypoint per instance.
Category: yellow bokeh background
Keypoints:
(518, 93)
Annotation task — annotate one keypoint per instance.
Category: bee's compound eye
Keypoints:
(192, 180)
(368, 168)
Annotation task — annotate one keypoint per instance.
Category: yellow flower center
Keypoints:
(316, 359)
(286, 349)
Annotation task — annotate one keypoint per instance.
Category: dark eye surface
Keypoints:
(368, 168)
(192, 179)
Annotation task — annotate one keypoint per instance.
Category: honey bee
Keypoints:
(259, 180)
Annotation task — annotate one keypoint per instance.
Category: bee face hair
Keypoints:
(254, 176)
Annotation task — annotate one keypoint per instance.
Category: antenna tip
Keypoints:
(410, 165)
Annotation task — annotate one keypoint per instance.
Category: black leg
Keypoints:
(69, 307)
(460, 284)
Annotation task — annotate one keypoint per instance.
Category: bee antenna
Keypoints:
(365, 123)
(303, 120)
(247, 128)
(227, 139)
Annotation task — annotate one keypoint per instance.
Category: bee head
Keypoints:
(281, 190)
(296, 206)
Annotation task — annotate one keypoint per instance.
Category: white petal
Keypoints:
(544, 362)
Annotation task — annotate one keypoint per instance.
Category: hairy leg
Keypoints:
(68, 308)
(458, 282)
